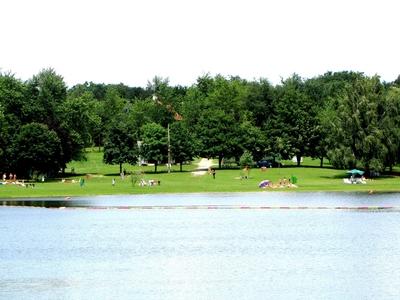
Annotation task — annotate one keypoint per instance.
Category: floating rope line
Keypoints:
(213, 207)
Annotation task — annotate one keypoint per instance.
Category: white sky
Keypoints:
(132, 41)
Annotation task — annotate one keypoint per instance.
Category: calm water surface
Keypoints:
(203, 254)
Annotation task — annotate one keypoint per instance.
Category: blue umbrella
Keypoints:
(355, 172)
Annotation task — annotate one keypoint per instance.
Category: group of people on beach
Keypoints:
(282, 183)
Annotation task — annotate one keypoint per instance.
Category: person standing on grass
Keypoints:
(113, 182)
(213, 172)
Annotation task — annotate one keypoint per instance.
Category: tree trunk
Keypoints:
(220, 157)
(298, 158)
(180, 166)
(120, 168)
(322, 162)
(155, 167)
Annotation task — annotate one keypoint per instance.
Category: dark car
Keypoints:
(268, 163)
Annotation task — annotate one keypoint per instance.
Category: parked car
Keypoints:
(268, 163)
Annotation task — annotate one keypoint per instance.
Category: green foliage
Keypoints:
(46, 93)
(13, 100)
(389, 121)
(217, 115)
(80, 115)
(356, 129)
(36, 150)
(295, 121)
(183, 144)
(112, 108)
(120, 146)
(154, 146)
(246, 160)
(3, 140)
(252, 139)
(352, 119)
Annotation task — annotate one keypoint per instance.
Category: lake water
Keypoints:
(235, 253)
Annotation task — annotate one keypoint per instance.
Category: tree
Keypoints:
(80, 115)
(154, 146)
(218, 111)
(252, 140)
(389, 123)
(13, 100)
(246, 159)
(36, 150)
(167, 100)
(12, 114)
(356, 129)
(4, 137)
(120, 145)
(295, 121)
(182, 143)
(324, 91)
(149, 111)
(259, 102)
(46, 95)
(113, 106)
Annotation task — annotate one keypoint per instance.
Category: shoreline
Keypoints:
(272, 191)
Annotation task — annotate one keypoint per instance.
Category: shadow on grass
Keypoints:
(385, 176)
(308, 167)
(149, 172)
(340, 176)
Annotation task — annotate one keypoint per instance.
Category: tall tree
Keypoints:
(355, 127)
(46, 95)
(259, 102)
(46, 91)
(80, 115)
(219, 110)
(253, 140)
(12, 114)
(120, 145)
(389, 123)
(295, 120)
(182, 143)
(154, 146)
(4, 138)
(37, 150)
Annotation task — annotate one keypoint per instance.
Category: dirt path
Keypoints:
(203, 166)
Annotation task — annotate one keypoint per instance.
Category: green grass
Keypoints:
(98, 178)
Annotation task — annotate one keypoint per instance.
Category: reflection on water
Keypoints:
(221, 200)
(37, 203)
(267, 199)
(200, 254)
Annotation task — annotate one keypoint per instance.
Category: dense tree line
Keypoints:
(349, 118)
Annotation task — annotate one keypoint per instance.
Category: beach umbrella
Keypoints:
(355, 172)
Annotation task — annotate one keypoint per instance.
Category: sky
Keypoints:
(130, 42)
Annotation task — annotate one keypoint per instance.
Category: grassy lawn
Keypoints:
(98, 178)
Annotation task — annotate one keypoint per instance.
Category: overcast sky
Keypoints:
(132, 41)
